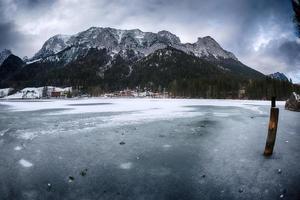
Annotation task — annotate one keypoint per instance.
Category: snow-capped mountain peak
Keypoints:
(279, 76)
(117, 41)
(52, 46)
(207, 46)
(173, 39)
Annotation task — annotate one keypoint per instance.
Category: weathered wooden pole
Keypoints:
(274, 113)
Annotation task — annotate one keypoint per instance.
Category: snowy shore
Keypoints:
(87, 105)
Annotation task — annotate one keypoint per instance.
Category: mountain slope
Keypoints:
(84, 71)
(11, 65)
(166, 65)
(4, 54)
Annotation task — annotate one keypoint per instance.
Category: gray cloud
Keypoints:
(284, 55)
(289, 51)
(253, 30)
(9, 36)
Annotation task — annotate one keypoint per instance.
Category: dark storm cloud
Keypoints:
(251, 29)
(290, 51)
(10, 37)
(29, 4)
(287, 51)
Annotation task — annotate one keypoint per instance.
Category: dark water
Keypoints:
(217, 155)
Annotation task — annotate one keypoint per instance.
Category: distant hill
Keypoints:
(10, 66)
(279, 76)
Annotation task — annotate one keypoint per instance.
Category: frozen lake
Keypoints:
(146, 149)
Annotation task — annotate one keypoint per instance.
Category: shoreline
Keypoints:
(125, 98)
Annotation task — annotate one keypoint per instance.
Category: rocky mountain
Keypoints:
(118, 41)
(52, 46)
(4, 54)
(278, 76)
(131, 46)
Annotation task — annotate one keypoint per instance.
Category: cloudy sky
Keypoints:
(261, 33)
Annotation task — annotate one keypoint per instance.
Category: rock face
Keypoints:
(293, 103)
(67, 48)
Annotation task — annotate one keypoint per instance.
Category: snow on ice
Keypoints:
(127, 165)
(18, 148)
(25, 163)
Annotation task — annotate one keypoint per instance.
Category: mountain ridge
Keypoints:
(117, 40)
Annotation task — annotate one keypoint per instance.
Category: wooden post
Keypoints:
(273, 104)
(274, 113)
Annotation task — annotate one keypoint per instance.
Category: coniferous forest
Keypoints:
(165, 70)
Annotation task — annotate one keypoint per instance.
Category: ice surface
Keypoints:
(131, 111)
(121, 105)
(173, 149)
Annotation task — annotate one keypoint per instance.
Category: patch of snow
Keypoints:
(120, 35)
(139, 36)
(33, 61)
(5, 91)
(36, 93)
(127, 165)
(18, 148)
(27, 93)
(218, 114)
(2, 132)
(26, 135)
(25, 163)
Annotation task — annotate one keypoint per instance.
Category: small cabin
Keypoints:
(55, 94)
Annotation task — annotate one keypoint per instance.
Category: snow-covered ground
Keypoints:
(89, 105)
(33, 92)
(5, 91)
(146, 149)
(27, 93)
